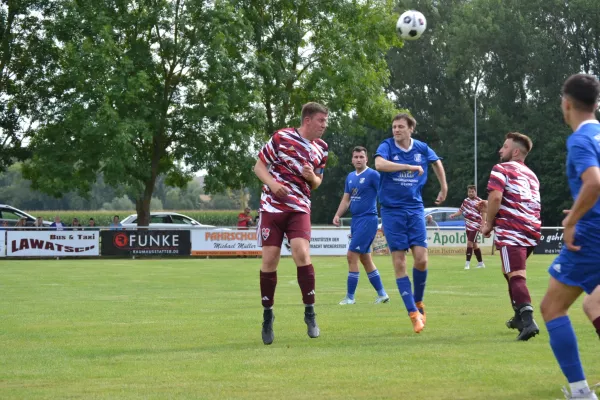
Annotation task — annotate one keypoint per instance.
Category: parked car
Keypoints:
(12, 216)
(441, 216)
(166, 220)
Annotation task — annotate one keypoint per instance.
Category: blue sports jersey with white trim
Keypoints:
(403, 189)
(583, 152)
(362, 189)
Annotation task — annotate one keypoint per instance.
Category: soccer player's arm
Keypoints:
(495, 188)
(588, 169)
(344, 204)
(266, 157)
(440, 173)
(317, 176)
(383, 164)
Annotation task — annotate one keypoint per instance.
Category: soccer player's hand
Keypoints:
(566, 212)
(441, 197)
(336, 220)
(279, 190)
(569, 236)
(418, 169)
(451, 216)
(486, 231)
(308, 172)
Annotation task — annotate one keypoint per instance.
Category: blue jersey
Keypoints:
(583, 152)
(403, 189)
(362, 189)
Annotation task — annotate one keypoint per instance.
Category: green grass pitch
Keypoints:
(190, 329)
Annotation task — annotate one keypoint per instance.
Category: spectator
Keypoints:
(429, 221)
(21, 223)
(115, 225)
(4, 225)
(244, 219)
(57, 225)
(39, 222)
(75, 225)
(92, 224)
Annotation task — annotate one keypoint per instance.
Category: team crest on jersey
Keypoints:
(418, 157)
(265, 233)
(361, 180)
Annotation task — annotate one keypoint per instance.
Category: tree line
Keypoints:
(136, 92)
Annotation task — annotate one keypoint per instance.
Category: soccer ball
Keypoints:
(411, 25)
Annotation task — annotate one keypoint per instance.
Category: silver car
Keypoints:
(167, 220)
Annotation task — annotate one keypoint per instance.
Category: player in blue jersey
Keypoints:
(402, 211)
(577, 267)
(360, 195)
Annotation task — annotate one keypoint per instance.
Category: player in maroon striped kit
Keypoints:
(513, 211)
(290, 166)
(470, 209)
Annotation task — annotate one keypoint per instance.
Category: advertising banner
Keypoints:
(439, 241)
(146, 243)
(21, 243)
(324, 242)
(2, 243)
(551, 241)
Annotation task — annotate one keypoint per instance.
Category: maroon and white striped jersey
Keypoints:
(518, 220)
(285, 154)
(471, 213)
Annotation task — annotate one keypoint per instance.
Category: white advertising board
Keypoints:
(324, 242)
(52, 243)
(2, 243)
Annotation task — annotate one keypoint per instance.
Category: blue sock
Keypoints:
(352, 284)
(405, 289)
(564, 346)
(419, 278)
(375, 280)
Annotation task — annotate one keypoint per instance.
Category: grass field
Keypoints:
(190, 329)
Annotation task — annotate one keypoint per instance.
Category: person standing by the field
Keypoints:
(290, 166)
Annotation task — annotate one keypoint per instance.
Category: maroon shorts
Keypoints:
(514, 258)
(272, 226)
(472, 236)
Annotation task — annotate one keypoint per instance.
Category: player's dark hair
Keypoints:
(359, 149)
(412, 123)
(312, 108)
(471, 187)
(522, 140)
(584, 90)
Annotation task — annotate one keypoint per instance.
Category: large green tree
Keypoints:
(144, 88)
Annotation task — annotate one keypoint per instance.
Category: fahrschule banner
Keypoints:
(23, 243)
(324, 242)
(146, 243)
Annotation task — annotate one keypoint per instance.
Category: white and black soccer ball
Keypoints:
(411, 25)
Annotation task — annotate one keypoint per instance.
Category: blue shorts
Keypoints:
(579, 268)
(403, 228)
(362, 233)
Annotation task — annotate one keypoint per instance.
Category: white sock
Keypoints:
(579, 388)
(467, 263)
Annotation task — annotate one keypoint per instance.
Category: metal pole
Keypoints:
(475, 141)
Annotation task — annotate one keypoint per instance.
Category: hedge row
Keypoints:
(103, 217)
